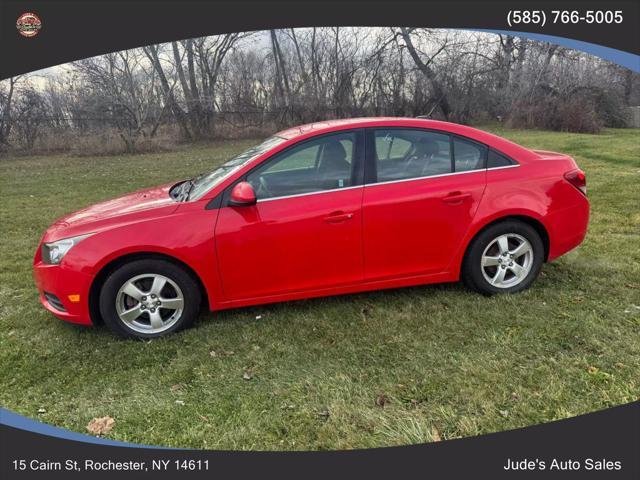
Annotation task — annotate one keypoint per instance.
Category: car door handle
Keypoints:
(337, 217)
(456, 198)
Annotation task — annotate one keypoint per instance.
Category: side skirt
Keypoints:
(342, 290)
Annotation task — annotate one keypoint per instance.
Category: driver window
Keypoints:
(316, 165)
(404, 154)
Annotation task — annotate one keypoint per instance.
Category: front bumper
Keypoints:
(71, 289)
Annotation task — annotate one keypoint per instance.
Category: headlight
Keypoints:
(54, 252)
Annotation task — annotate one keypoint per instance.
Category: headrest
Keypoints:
(333, 151)
(426, 147)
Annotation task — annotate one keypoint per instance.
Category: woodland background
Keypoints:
(247, 85)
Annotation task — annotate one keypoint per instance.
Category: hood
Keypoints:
(133, 206)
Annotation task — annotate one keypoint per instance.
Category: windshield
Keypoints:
(203, 183)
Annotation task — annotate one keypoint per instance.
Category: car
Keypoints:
(328, 208)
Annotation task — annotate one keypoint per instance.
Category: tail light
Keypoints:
(578, 179)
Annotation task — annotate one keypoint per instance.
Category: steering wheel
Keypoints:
(427, 164)
(427, 159)
(263, 189)
(409, 158)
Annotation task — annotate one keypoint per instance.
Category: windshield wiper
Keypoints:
(181, 190)
(185, 190)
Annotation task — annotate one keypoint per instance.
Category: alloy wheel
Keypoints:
(507, 260)
(149, 303)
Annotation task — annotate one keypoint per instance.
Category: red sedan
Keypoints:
(323, 209)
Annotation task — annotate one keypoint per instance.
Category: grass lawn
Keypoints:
(377, 369)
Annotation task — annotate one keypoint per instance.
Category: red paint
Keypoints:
(365, 237)
(243, 195)
(289, 245)
(416, 227)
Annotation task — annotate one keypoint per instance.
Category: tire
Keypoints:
(149, 298)
(485, 260)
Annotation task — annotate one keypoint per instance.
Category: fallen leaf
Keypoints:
(100, 426)
(223, 353)
(435, 434)
(592, 369)
(382, 400)
(176, 387)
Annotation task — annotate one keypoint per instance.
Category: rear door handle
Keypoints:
(337, 217)
(456, 198)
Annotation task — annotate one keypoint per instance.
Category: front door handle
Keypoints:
(337, 217)
(456, 198)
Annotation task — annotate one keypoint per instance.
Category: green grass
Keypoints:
(376, 369)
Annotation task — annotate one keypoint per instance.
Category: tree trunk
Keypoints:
(6, 120)
(438, 91)
(178, 113)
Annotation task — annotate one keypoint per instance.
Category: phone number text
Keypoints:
(541, 17)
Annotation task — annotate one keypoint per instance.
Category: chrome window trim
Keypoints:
(386, 183)
(309, 193)
(504, 166)
(402, 180)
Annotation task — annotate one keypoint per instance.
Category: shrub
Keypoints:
(581, 110)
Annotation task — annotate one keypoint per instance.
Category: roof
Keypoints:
(338, 124)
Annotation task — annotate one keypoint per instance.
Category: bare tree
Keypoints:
(439, 94)
(29, 119)
(168, 90)
(123, 87)
(7, 89)
(191, 89)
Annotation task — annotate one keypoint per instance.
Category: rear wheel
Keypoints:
(149, 298)
(504, 258)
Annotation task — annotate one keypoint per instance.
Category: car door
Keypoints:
(305, 230)
(422, 191)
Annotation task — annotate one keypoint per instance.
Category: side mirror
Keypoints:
(242, 195)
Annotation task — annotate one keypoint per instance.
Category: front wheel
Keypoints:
(504, 258)
(149, 298)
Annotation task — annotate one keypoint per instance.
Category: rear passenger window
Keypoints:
(496, 159)
(468, 155)
(403, 154)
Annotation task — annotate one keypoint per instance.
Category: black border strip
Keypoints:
(611, 435)
(73, 30)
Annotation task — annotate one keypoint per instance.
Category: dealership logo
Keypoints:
(28, 24)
